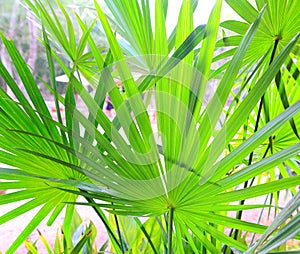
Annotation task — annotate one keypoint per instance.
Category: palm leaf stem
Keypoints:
(163, 231)
(101, 216)
(261, 104)
(170, 228)
(259, 219)
(119, 233)
(142, 228)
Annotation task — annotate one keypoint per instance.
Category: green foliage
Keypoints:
(81, 239)
(186, 176)
(286, 231)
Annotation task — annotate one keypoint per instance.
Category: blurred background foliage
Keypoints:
(18, 22)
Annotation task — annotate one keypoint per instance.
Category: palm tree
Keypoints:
(184, 178)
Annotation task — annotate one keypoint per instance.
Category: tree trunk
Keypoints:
(33, 45)
(3, 54)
